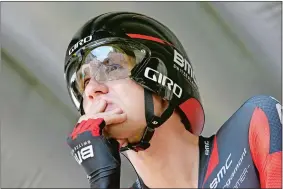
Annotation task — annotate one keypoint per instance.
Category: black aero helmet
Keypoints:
(160, 65)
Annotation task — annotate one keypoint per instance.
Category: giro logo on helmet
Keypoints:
(163, 80)
(185, 65)
(80, 43)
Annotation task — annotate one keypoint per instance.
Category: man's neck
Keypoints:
(172, 159)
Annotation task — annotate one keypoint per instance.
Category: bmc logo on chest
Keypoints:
(83, 154)
(221, 173)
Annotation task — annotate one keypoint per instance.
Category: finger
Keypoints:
(114, 111)
(98, 107)
(94, 116)
(82, 118)
(101, 115)
(114, 118)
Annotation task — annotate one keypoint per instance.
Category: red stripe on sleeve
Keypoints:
(268, 165)
(273, 175)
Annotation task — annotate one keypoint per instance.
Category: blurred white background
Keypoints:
(235, 48)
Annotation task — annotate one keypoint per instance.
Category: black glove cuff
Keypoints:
(96, 153)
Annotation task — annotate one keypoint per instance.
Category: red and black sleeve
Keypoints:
(265, 140)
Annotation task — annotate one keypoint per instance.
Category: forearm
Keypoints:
(106, 180)
(99, 156)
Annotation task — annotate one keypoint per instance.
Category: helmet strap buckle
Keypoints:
(152, 123)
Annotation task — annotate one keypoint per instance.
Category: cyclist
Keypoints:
(134, 85)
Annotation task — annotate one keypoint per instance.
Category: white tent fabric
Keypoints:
(37, 114)
(258, 25)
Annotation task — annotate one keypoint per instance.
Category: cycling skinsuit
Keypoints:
(247, 150)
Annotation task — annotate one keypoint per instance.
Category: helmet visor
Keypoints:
(103, 63)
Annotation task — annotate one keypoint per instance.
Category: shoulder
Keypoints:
(259, 118)
(266, 123)
(269, 105)
(251, 136)
(257, 107)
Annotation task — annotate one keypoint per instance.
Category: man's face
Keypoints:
(106, 78)
(124, 94)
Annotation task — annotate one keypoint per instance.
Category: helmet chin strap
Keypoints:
(152, 123)
(82, 112)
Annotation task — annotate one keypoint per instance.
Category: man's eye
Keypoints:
(114, 67)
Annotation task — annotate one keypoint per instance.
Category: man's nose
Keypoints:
(95, 88)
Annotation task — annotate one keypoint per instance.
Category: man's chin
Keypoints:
(116, 133)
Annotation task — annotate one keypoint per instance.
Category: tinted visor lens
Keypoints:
(103, 63)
